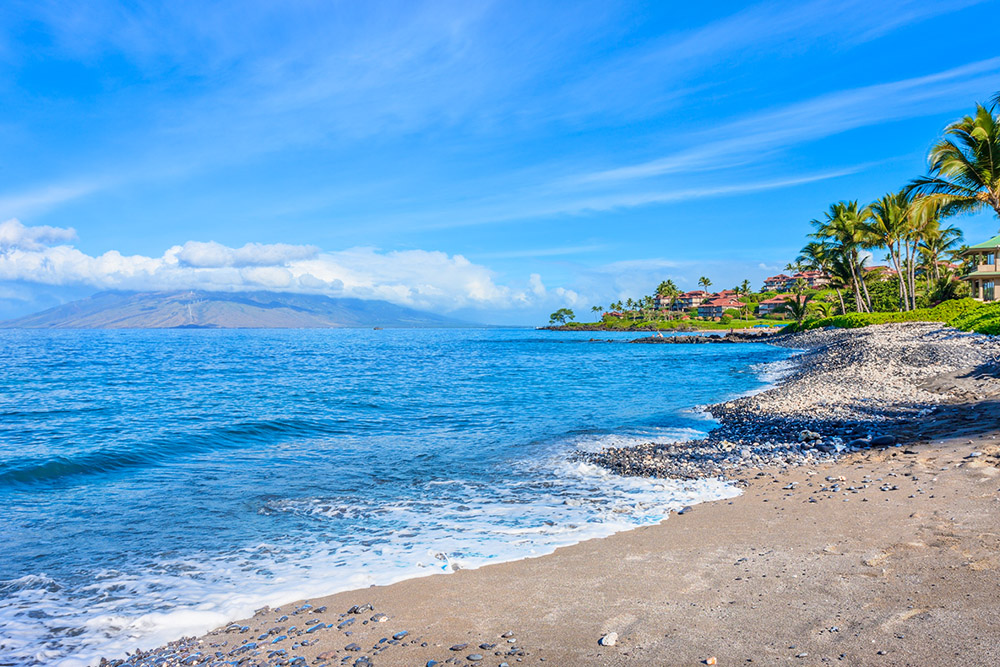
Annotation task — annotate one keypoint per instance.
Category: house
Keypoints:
(986, 274)
(691, 299)
(769, 306)
(718, 306)
(881, 272)
(776, 283)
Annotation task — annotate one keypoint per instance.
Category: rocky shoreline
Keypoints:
(850, 390)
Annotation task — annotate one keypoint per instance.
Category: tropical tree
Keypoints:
(669, 290)
(937, 246)
(822, 256)
(799, 305)
(704, 283)
(597, 310)
(561, 316)
(964, 166)
(843, 228)
(889, 225)
(824, 307)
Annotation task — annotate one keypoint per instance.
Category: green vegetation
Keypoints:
(561, 316)
(984, 320)
(950, 312)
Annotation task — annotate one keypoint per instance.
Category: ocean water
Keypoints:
(159, 483)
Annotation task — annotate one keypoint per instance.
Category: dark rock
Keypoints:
(884, 441)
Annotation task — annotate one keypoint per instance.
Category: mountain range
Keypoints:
(225, 310)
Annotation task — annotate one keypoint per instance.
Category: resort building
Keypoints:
(691, 299)
(769, 306)
(776, 283)
(718, 306)
(662, 302)
(782, 283)
(985, 275)
(812, 279)
(881, 272)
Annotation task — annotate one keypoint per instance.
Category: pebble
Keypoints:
(609, 639)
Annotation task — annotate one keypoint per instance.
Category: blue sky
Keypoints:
(492, 160)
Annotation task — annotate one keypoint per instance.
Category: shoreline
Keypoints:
(553, 593)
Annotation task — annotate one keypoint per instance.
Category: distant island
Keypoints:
(225, 310)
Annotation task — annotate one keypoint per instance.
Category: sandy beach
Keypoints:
(839, 550)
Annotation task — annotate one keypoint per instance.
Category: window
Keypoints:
(991, 258)
(988, 291)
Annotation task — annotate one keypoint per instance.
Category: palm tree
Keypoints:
(844, 229)
(964, 166)
(825, 307)
(744, 289)
(889, 225)
(669, 290)
(704, 283)
(597, 310)
(798, 306)
(938, 246)
(822, 256)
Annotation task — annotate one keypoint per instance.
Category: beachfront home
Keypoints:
(984, 278)
(718, 306)
(769, 306)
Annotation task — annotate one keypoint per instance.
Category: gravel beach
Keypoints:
(866, 534)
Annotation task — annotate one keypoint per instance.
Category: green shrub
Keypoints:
(948, 311)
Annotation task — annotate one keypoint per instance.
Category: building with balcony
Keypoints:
(985, 275)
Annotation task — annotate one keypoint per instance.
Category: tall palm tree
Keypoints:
(597, 310)
(669, 290)
(843, 227)
(964, 166)
(704, 283)
(888, 226)
(938, 246)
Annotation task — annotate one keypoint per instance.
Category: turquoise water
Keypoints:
(159, 483)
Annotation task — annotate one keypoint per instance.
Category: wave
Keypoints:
(163, 450)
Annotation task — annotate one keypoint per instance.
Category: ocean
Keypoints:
(157, 483)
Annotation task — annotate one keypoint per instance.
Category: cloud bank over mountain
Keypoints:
(418, 278)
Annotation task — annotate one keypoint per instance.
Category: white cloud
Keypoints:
(14, 234)
(418, 278)
(215, 255)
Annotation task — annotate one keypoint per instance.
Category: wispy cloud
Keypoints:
(42, 198)
(581, 203)
(750, 139)
(544, 252)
